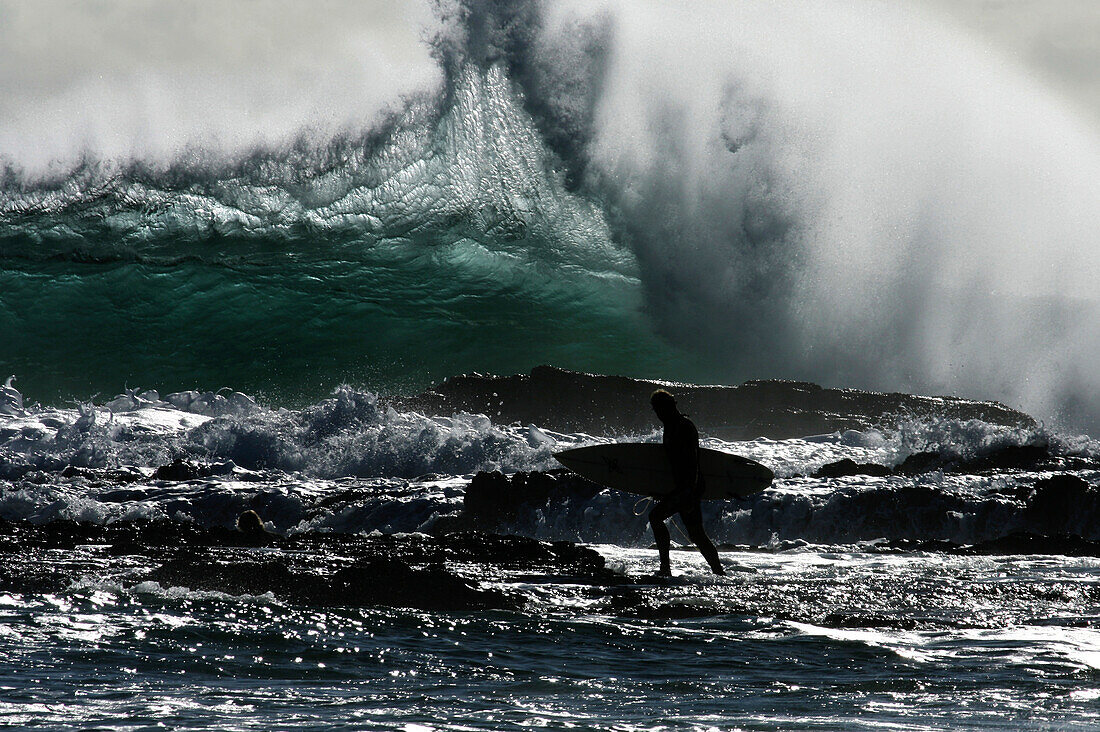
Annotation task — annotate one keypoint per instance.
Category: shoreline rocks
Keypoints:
(569, 401)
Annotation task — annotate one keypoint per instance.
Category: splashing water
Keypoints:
(852, 193)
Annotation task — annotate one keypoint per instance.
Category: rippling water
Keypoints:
(384, 598)
(852, 193)
(808, 639)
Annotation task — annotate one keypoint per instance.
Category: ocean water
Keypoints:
(385, 599)
(555, 182)
(215, 276)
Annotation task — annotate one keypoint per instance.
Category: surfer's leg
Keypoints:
(657, 517)
(693, 522)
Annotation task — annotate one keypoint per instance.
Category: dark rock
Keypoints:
(1019, 542)
(568, 401)
(847, 466)
(1014, 457)
(1023, 542)
(523, 553)
(492, 500)
(489, 495)
(1061, 500)
(197, 571)
(642, 603)
(428, 572)
(178, 470)
(103, 475)
(71, 471)
(920, 462)
(393, 583)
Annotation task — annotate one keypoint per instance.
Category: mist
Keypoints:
(858, 194)
(120, 81)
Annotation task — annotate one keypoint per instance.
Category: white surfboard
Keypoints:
(643, 468)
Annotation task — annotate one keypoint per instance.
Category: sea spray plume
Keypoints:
(855, 193)
(557, 58)
(123, 83)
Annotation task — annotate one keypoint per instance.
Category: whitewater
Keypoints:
(247, 251)
(439, 572)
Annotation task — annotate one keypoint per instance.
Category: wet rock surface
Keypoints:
(848, 467)
(569, 401)
(448, 572)
(471, 571)
(1019, 542)
(494, 500)
(1021, 457)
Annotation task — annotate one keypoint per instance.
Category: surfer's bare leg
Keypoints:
(693, 522)
(657, 518)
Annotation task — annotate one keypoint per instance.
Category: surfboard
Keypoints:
(643, 468)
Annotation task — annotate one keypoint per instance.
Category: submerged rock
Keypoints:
(847, 466)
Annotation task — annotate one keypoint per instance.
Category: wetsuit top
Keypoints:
(681, 442)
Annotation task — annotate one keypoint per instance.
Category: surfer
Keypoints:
(681, 442)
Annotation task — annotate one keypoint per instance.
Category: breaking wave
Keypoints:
(851, 193)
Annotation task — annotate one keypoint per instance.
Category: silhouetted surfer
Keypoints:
(682, 444)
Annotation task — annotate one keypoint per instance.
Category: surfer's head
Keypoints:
(664, 404)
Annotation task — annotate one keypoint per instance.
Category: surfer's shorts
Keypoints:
(685, 503)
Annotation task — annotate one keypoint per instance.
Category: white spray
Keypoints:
(853, 192)
(856, 193)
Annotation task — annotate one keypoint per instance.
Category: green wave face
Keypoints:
(294, 331)
(443, 244)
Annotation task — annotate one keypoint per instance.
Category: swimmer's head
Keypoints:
(250, 523)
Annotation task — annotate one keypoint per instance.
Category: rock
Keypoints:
(198, 572)
(392, 583)
(920, 462)
(847, 466)
(178, 470)
(71, 471)
(320, 569)
(493, 500)
(1061, 501)
(567, 401)
(1027, 543)
(1013, 457)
